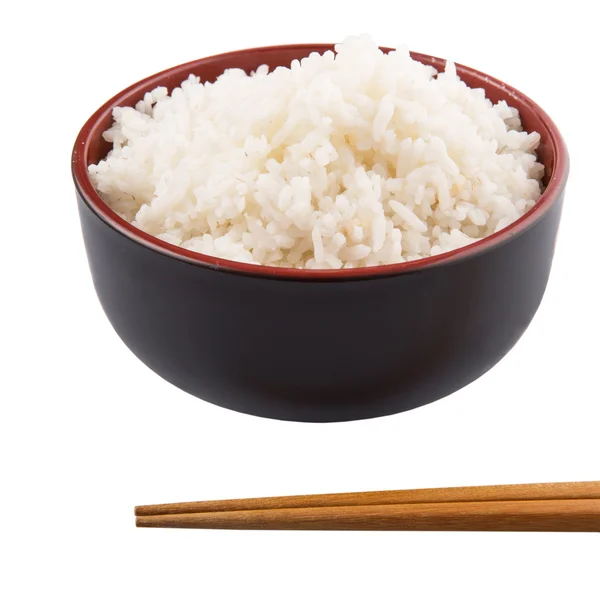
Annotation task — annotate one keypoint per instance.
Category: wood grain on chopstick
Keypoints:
(516, 515)
(521, 492)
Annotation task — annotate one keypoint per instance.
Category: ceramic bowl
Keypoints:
(318, 345)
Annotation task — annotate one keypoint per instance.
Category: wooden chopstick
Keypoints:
(521, 492)
(557, 515)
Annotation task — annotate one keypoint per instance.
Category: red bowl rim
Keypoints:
(93, 200)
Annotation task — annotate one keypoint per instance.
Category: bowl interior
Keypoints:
(90, 148)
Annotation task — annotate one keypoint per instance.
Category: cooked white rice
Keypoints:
(342, 160)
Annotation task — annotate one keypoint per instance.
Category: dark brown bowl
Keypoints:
(318, 345)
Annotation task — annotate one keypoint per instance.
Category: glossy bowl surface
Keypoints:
(318, 345)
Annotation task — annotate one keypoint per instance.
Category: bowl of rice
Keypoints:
(320, 232)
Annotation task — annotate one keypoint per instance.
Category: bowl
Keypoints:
(318, 345)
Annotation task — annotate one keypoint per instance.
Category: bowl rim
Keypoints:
(94, 202)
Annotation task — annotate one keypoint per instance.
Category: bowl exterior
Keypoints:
(320, 351)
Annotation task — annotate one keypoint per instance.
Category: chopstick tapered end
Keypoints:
(143, 522)
(151, 509)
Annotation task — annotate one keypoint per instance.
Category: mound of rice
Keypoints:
(342, 160)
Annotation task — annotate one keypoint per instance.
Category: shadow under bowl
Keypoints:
(310, 345)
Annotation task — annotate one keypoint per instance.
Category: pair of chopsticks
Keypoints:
(549, 507)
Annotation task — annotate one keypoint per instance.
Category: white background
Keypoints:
(87, 431)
